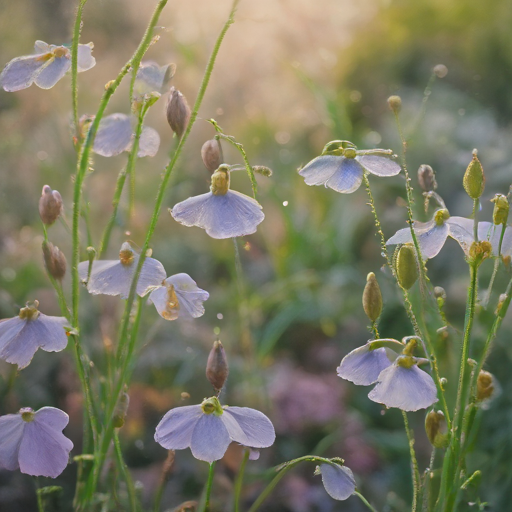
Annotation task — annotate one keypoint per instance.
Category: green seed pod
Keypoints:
(372, 298)
(435, 426)
(395, 103)
(217, 368)
(501, 207)
(406, 267)
(474, 178)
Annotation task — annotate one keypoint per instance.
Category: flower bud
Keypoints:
(395, 103)
(484, 386)
(440, 70)
(501, 207)
(121, 410)
(435, 426)
(54, 260)
(212, 156)
(217, 369)
(372, 298)
(479, 251)
(178, 112)
(427, 178)
(440, 295)
(263, 170)
(50, 205)
(474, 178)
(406, 267)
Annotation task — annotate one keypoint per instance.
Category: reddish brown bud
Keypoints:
(178, 112)
(50, 205)
(54, 260)
(217, 369)
(212, 156)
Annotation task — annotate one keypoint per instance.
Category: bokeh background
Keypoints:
(291, 75)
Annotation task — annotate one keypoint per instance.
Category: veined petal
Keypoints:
(152, 78)
(248, 427)
(363, 366)
(347, 178)
(51, 332)
(408, 389)
(11, 433)
(190, 296)
(320, 169)
(85, 60)
(379, 165)
(149, 142)
(210, 438)
(41, 47)
(18, 346)
(21, 72)
(174, 432)
(432, 241)
(461, 230)
(114, 135)
(338, 481)
(53, 72)
(506, 247)
(159, 297)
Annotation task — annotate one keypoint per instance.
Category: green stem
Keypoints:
(414, 465)
(74, 65)
(40, 505)
(240, 479)
(209, 485)
(132, 495)
(476, 202)
(364, 500)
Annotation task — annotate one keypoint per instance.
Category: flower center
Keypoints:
(27, 414)
(60, 51)
(405, 361)
(173, 305)
(30, 312)
(126, 257)
(220, 182)
(441, 216)
(212, 406)
(349, 153)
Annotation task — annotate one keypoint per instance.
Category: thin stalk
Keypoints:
(40, 505)
(240, 479)
(414, 465)
(132, 495)
(209, 485)
(426, 95)
(495, 269)
(74, 65)
(476, 203)
(364, 500)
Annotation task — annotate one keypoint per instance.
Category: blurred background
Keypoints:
(291, 76)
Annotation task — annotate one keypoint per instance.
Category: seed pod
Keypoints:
(178, 112)
(501, 207)
(217, 369)
(474, 178)
(395, 103)
(484, 386)
(406, 268)
(435, 426)
(427, 178)
(54, 260)
(121, 410)
(372, 298)
(212, 156)
(50, 205)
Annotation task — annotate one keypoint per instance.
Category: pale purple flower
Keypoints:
(338, 480)
(208, 429)
(404, 386)
(342, 166)
(115, 135)
(45, 67)
(34, 442)
(222, 212)
(152, 78)
(178, 296)
(21, 336)
(114, 277)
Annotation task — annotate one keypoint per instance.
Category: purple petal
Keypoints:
(85, 60)
(432, 241)
(52, 73)
(174, 432)
(149, 142)
(51, 332)
(18, 346)
(210, 438)
(320, 169)
(362, 366)
(249, 427)
(408, 389)
(114, 135)
(21, 72)
(338, 481)
(506, 247)
(152, 78)
(190, 296)
(41, 47)
(379, 165)
(11, 433)
(347, 178)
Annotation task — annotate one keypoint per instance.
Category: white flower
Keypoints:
(152, 78)
(338, 480)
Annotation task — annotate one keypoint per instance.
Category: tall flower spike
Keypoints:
(45, 67)
(208, 429)
(338, 480)
(341, 166)
(178, 296)
(21, 336)
(222, 212)
(115, 135)
(152, 78)
(34, 442)
(114, 277)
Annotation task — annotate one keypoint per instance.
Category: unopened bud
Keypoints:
(395, 103)
(435, 426)
(440, 70)
(501, 207)
(372, 298)
(479, 251)
(121, 410)
(474, 178)
(440, 295)
(427, 178)
(406, 267)
(485, 386)
(212, 156)
(54, 260)
(217, 369)
(50, 205)
(178, 112)
(263, 170)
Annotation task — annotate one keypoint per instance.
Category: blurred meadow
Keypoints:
(291, 76)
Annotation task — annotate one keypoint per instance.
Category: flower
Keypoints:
(222, 212)
(178, 296)
(152, 78)
(21, 336)
(338, 480)
(341, 166)
(208, 429)
(45, 67)
(114, 277)
(115, 135)
(34, 442)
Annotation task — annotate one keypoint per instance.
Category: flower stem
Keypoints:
(209, 485)
(74, 64)
(414, 465)
(240, 479)
(364, 500)
(132, 496)
(476, 203)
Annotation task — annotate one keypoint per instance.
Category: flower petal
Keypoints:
(51, 332)
(21, 72)
(149, 142)
(85, 60)
(11, 433)
(362, 366)
(506, 247)
(379, 165)
(190, 296)
(41, 47)
(174, 432)
(152, 78)
(408, 389)
(52, 73)
(249, 427)
(347, 178)
(210, 438)
(338, 481)
(114, 135)
(320, 169)
(17, 345)
(432, 241)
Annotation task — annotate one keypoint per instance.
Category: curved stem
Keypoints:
(414, 465)
(364, 500)
(209, 485)
(240, 479)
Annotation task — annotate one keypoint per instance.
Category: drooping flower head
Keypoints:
(338, 480)
(208, 429)
(21, 336)
(341, 166)
(178, 296)
(33, 442)
(114, 277)
(152, 78)
(222, 212)
(45, 67)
